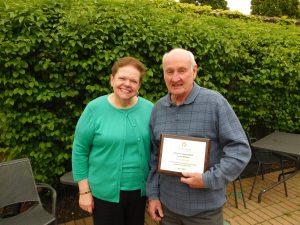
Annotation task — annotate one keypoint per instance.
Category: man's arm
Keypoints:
(152, 189)
(234, 148)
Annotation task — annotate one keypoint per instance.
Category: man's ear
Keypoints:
(195, 68)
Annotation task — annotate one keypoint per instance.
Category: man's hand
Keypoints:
(194, 180)
(155, 210)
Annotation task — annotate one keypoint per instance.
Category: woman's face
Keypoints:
(126, 82)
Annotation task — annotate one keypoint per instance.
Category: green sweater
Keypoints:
(99, 146)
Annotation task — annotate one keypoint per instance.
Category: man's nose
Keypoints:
(175, 77)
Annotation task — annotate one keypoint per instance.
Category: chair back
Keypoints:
(263, 156)
(17, 182)
(253, 157)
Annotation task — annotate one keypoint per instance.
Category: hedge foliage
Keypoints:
(55, 56)
(289, 8)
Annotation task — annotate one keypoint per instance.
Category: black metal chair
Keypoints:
(236, 193)
(18, 188)
(266, 158)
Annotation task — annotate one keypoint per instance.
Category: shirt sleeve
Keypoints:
(234, 148)
(83, 139)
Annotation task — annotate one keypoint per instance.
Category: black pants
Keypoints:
(129, 211)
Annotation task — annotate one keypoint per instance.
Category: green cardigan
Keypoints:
(99, 141)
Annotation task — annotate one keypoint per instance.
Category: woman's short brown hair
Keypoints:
(128, 60)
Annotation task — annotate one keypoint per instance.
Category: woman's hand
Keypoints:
(86, 202)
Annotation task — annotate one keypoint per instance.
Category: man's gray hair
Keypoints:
(181, 49)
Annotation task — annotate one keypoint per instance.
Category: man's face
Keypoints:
(179, 75)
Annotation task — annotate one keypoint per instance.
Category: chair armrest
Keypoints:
(53, 192)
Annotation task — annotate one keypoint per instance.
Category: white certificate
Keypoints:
(183, 154)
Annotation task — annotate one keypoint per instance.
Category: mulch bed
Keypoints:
(67, 207)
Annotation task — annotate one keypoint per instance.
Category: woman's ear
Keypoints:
(111, 80)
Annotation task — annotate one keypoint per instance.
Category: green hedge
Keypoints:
(57, 56)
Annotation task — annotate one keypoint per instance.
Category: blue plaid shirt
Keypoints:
(205, 113)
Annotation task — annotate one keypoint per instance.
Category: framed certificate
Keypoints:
(183, 154)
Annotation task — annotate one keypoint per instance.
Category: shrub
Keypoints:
(57, 56)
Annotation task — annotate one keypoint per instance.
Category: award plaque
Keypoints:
(183, 154)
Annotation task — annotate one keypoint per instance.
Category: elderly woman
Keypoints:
(111, 149)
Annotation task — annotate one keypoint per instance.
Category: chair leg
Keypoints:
(234, 192)
(254, 181)
(262, 172)
(242, 192)
(282, 172)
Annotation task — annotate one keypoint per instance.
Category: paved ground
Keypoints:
(275, 208)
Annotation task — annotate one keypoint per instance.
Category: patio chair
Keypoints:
(236, 194)
(266, 158)
(18, 187)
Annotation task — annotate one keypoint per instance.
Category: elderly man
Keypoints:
(191, 110)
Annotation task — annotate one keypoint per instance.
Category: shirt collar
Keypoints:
(190, 99)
